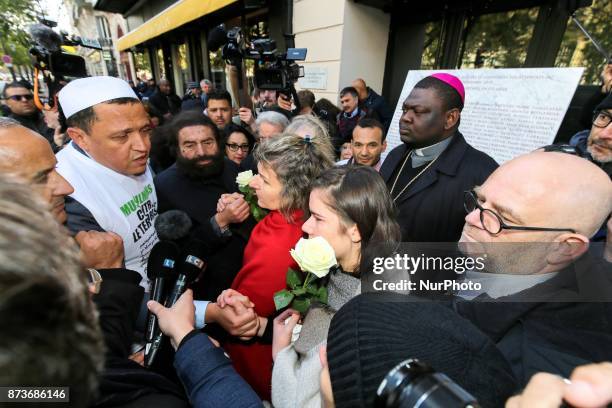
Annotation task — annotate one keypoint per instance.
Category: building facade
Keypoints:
(106, 28)
(377, 40)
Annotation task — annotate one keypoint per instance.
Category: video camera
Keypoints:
(54, 63)
(273, 71)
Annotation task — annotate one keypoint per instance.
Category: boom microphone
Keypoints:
(217, 37)
(192, 265)
(160, 267)
(45, 37)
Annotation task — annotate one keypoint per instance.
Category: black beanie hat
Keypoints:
(374, 332)
(605, 104)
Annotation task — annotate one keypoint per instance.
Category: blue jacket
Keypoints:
(208, 376)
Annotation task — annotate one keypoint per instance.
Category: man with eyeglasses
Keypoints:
(544, 296)
(596, 144)
(194, 185)
(20, 100)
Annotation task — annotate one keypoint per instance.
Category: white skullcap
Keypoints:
(86, 92)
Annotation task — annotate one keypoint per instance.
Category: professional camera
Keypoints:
(413, 383)
(49, 59)
(273, 71)
(47, 54)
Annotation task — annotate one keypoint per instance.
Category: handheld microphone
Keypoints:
(172, 225)
(190, 268)
(160, 267)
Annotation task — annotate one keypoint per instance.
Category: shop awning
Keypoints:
(179, 13)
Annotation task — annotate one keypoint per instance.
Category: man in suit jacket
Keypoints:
(429, 172)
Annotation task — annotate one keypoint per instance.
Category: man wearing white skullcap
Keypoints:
(106, 163)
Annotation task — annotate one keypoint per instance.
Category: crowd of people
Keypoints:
(82, 186)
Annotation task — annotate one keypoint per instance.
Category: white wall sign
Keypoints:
(314, 78)
(507, 112)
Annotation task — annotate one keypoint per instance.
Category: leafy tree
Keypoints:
(577, 50)
(15, 17)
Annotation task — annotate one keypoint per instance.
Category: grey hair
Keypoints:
(49, 325)
(297, 162)
(6, 123)
(273, 118)
(308, 125)
(206, 81)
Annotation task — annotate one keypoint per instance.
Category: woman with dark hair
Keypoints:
(325, 110)
(351, 208)
(238, 142)
(287, 166)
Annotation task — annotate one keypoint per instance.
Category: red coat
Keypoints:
(264, 271)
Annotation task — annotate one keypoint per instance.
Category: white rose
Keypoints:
(244, 178)
(314, 255)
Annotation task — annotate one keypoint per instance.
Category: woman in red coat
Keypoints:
(287, 165)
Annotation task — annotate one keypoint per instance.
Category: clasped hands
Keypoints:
(236, 314)
(231, 209)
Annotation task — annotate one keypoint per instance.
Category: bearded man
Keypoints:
(194, 185)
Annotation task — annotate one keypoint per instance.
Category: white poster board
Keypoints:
(314, 78)
(507, 112)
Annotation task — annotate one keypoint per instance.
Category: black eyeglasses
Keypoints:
(601, 119)
(17, 98)
(234, 147)
(492, 222)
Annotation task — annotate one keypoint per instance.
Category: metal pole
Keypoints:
(598, 46)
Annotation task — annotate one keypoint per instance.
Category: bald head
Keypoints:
(554, 190)
(360, 85)
(28, 155)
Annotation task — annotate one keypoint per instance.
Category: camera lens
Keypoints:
(415, 384)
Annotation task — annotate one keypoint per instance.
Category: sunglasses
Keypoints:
(17, 98)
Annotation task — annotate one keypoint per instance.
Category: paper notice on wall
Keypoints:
(507, 112)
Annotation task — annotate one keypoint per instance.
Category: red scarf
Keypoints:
(264, 270)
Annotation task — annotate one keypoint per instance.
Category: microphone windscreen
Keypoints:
(217, 37)
(163, 257)
(46, 37)
(172, 225)
(193, 259)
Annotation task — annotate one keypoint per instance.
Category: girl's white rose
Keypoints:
(314, 255)
(244, 178)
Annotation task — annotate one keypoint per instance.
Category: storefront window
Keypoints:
(217, 69)
(183, 61)
(143, 64)
(498, 40)
(431, 45)
(578, 51)
(160, 63)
